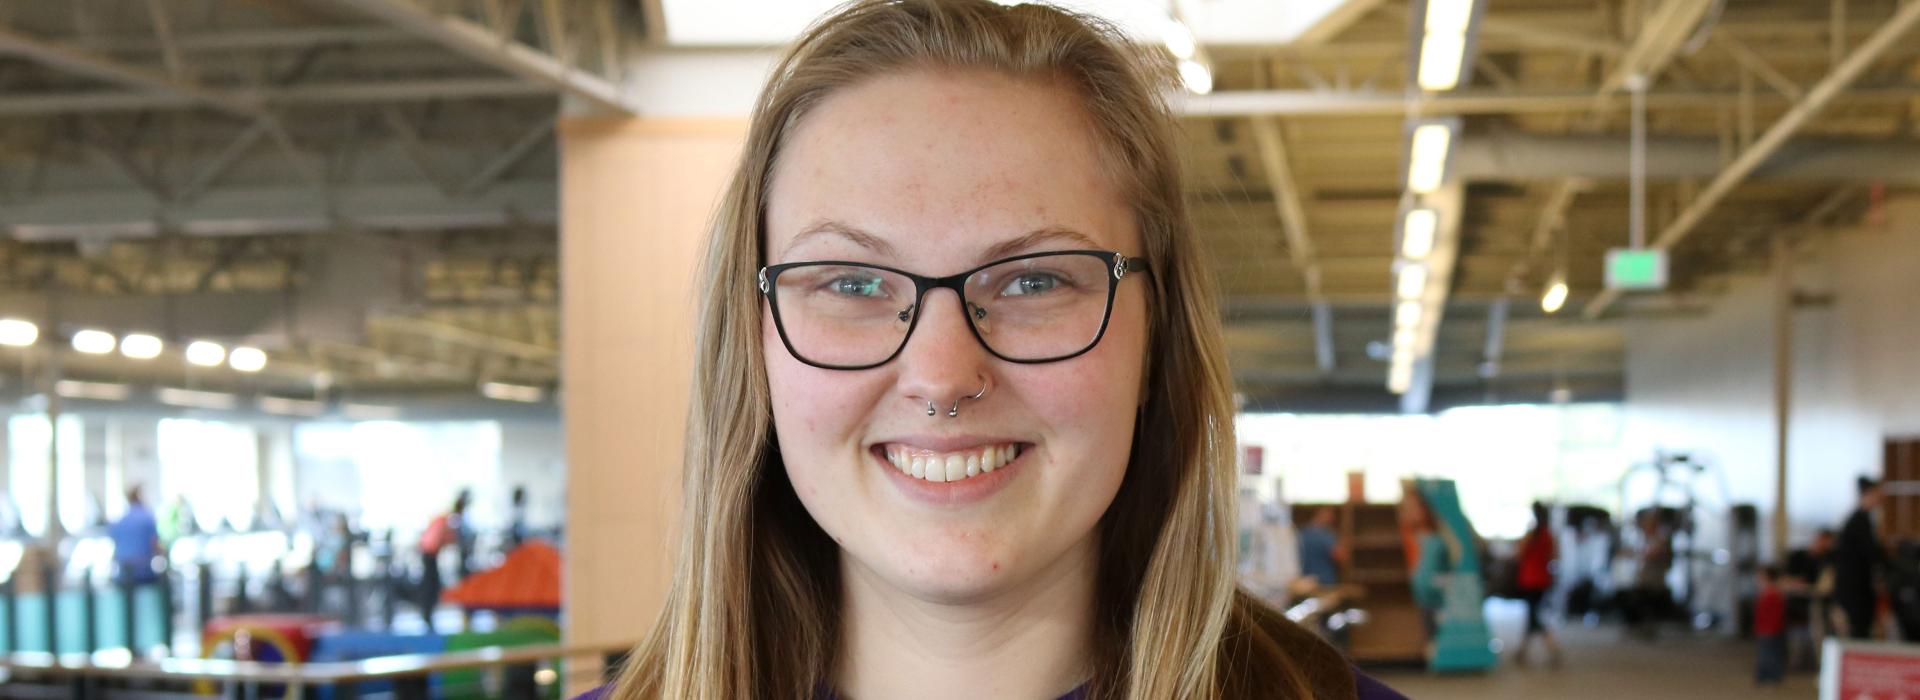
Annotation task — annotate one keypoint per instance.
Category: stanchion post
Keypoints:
(204, 609)
(127, 589)
(89, 612)
(167, 608)
(50, 576)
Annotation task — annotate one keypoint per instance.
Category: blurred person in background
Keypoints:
(517, 518)
(1807, 583)
(136, 541)
(1320, 553)
(1858, 561)
(442, 531)
(1770, 629)
(1534, 578)
(1649, 599)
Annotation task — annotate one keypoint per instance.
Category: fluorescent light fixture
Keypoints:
(364, 411)
(1449, 16)
(206, 353)
(1413, 281)
(18, 333)
(500, 391)
(247, 359)
(1196, 76)
(94, 342)
(141, 346)
(1416, 233)
(1555, 297)
(1179, 39)
(1441, 56)
(1400, 377)
(1428, 167)
(1407, 315)
(291, 407)
(1403, 338)
(190, 398)
(98, 391)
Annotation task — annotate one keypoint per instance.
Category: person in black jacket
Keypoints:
(1857, 563)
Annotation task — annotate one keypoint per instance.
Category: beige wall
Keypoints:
(1705, 384)
(635, 199)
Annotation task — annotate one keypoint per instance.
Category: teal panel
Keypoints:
(33, 621)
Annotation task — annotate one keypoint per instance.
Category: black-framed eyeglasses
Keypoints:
(1032, 308)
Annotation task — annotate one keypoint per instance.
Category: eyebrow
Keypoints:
(1003, 249)
(829, 227)
(1033, 239)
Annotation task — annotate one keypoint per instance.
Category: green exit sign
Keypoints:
(1629, 269)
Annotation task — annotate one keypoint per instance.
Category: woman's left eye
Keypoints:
(1031, 283)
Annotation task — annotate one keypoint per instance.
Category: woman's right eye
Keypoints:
(858, 286)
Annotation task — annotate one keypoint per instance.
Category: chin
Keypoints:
(947, 577)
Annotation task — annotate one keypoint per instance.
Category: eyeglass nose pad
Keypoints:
(979, 314)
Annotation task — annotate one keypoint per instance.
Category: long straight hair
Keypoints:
(754, 608)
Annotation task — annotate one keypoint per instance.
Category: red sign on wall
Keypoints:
(1252, 459)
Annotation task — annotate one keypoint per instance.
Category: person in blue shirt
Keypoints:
(136, 541)
(1320, 548)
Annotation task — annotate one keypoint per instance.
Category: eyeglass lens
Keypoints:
(1028, 309)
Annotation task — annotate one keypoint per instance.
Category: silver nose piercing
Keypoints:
(955, 411)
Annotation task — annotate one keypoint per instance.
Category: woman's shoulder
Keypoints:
(599, 693)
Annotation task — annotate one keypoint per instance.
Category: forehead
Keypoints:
(942, 165)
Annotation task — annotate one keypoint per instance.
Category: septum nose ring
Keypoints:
(955, 411)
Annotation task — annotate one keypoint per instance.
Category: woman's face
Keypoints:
(936, 173)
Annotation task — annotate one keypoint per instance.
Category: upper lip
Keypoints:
(946, 443)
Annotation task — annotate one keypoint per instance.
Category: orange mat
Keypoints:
(529, 578)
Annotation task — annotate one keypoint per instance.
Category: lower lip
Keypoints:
(972, 489)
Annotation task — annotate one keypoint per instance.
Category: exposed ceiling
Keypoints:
(366, 188)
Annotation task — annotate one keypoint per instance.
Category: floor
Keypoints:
(1600, 664)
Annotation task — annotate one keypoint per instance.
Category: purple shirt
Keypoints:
(1369, 689)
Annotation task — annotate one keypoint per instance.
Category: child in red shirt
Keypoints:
(1770, 627)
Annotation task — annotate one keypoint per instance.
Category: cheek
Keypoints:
(816, 412)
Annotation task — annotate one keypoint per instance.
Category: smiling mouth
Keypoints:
(943, 467)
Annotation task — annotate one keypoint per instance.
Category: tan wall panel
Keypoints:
(636, 196)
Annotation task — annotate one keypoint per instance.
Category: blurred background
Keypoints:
(285, 375)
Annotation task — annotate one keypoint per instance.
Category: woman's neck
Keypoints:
(1030, 641)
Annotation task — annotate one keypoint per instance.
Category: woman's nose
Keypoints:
(942, 360)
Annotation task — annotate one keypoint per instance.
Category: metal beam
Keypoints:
(1776, 136)
(1522, 157)
(1283, 103)
(31, 105)
(1334, 23)
(1286, 197)
(480, 44)
(107, 70)
(1660, 36)
(507, 159)
(222, 161)
(1272, 145)
(236, 210)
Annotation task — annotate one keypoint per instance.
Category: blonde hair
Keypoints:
(753, 609)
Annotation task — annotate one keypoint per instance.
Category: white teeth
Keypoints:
(943, 468)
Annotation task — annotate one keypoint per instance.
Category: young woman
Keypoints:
(962, 425)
